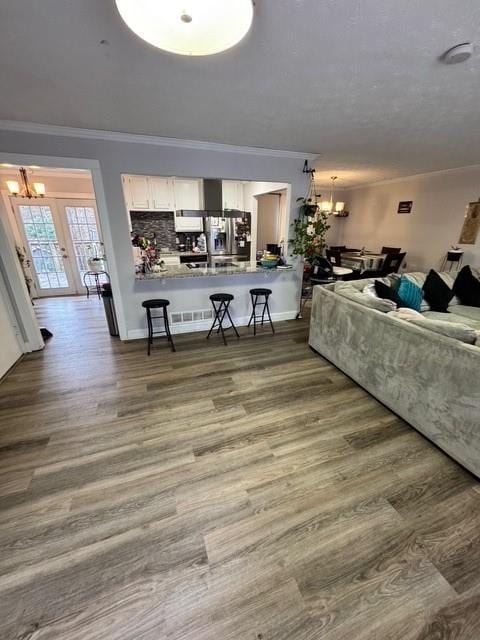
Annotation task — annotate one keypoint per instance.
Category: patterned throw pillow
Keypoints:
(410, 294)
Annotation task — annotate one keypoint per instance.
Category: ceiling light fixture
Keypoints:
(329, 206)
(189, 27)
(26, 190)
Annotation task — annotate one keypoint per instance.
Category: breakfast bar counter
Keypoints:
(204, 271)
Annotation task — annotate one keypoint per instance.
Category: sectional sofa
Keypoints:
(430, 379)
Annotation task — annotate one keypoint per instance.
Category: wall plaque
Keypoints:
(405, 206)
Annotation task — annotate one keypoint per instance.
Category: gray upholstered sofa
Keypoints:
(432, 381)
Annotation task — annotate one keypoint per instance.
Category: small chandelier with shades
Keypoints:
(25, 189)
(329, 206)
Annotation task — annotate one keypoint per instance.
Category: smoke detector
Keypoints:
(458, 53)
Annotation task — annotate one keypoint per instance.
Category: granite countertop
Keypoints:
(166, 254)
(182, 271)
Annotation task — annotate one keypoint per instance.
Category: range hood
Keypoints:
(213, 203)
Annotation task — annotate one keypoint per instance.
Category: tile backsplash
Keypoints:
(160, 223)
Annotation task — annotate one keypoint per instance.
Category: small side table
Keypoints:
(96, 285)
(453, 257)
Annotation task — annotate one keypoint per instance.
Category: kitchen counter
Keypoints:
(182, 271)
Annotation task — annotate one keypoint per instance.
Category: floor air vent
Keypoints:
(191, 316)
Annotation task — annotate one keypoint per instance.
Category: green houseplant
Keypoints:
(309, 230)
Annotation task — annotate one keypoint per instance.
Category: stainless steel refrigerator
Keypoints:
(229, 237)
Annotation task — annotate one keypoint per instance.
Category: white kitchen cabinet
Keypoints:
(136, 192)
(162, 195)
(185, 224)
(188, 195)
(149, 193)
(232, 193)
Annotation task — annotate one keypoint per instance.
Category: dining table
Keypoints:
(362, 261)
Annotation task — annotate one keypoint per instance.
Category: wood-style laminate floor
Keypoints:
(248, 492)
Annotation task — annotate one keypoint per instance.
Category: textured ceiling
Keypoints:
(358, 81)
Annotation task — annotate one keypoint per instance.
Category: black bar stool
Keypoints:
(255, 295)
(157, 304)
(220, 303)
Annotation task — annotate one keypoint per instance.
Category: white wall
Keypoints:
(268, 220)
(118, 157)
(439, 205)
(10, 349)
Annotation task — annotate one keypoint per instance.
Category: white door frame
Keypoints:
(26, 316)
(62, 239)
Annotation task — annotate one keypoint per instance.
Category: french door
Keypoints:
(60, 235)
(46, 246)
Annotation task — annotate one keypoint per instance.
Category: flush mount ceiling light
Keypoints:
(188, 27)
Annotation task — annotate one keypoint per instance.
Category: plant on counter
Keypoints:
(309, 228)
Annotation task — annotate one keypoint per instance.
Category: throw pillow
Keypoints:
(387, 293)
(467, 288)
(410, 294)
(436, 292)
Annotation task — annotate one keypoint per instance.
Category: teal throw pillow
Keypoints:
(410, 294)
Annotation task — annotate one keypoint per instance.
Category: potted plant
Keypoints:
(95, 262)
(310, 229)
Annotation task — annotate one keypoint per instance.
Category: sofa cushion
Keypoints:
(452, 317)
(455, 330)
(467, 288)
(436, 292)
(387, 292)
(352, 293)
(410, 294)
(470, 313)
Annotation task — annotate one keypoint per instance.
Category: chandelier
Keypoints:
(24, 189)
(329, 206)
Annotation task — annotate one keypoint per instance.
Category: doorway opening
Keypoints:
(58, 241)
(58, 237)
(271, 221)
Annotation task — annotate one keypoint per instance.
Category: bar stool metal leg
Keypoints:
(167, 328)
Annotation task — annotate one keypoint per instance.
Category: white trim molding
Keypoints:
(117, 136)
(204, 325)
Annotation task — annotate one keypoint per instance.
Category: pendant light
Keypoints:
(329, 206)
(188, 27)
(24, 189)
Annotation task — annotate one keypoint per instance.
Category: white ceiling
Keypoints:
(358, 81)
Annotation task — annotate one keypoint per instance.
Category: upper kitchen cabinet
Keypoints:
(136, 192)
(188, 195)
(149, 193)
(162, 193)
(232, 191)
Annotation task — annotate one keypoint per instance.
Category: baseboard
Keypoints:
(204, 325)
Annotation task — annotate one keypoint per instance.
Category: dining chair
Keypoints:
(334, 256)
(390, 250)
(391, 264)
(340, 247)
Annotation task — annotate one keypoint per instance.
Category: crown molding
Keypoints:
(413, 176)
(117, 136)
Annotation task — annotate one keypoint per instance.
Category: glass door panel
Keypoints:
(46, 247)
(84, 234)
